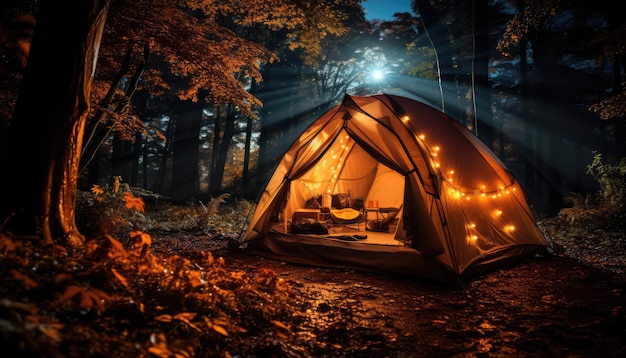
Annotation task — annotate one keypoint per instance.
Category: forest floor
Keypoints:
(571, 304)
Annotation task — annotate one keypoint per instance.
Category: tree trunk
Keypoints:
(121, 160)
(483, 119)
(221, 149)
(41, 160)
(187, 121)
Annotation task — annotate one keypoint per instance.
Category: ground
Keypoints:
(570, 304)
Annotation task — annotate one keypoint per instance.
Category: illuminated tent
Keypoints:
(462, 212)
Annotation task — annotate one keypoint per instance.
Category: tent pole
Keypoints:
(432, 44)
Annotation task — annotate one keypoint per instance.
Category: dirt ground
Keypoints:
(572, 304)
(554, 307)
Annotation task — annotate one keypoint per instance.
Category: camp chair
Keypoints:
(347, 218)
(387, 215)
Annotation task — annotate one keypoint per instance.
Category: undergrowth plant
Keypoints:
(606, 208)
(111, 209)
(159, 303)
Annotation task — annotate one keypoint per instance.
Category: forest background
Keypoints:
(194, 99)
(109, 104)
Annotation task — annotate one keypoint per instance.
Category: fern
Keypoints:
(212, 206)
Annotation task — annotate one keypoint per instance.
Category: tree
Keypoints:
(41, 155)
(225, 47)
(613, 108)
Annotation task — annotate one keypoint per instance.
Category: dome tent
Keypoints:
(462, 211)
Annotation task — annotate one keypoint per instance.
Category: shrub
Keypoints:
(110, 210)
(605, 209)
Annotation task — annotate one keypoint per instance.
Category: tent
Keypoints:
(462, 212)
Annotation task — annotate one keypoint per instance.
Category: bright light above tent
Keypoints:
(377, 75)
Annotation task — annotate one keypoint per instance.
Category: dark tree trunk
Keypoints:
(185, 157)
(133, 180)
(162, 181)
(619, 69)
(93, 170)
(246, 155)
(41, 159)
(221, 153)
(485, 128)
(121, 160)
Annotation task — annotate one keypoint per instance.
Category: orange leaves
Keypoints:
(238, 275)
(116, 250)
(120, 278)
(216, 57)
(183, 301)
(6, 244)
(215, 324)
(26, 281)
(98, 192)
(140, 239)
(86, 298)
(210, 259)
(132, 202)
(195, 279)
(110, 194)
(611, 107)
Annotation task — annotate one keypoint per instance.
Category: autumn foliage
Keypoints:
(155, 304)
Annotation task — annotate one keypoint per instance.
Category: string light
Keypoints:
(509, 229)
(457, 192)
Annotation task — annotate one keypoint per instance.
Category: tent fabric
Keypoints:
(462, 211)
